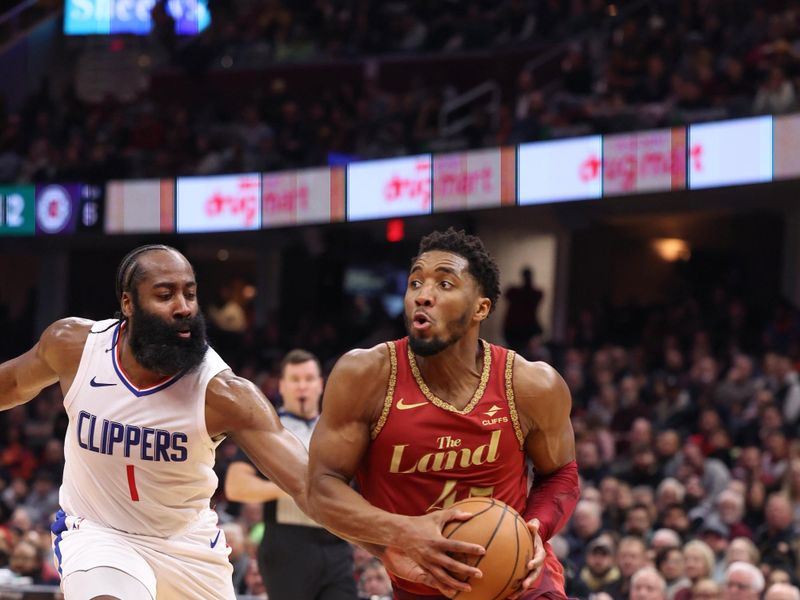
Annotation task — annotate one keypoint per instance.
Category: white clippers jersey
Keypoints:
(137, 460)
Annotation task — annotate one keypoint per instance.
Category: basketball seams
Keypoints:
(516, 562)
(462, 523)
(498, 584)
(494, 533)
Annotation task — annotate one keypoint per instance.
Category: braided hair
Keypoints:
(128, 272)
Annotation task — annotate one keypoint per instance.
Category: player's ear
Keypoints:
(126, 304)
(483, 308)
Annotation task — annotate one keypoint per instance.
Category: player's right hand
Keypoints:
(422, 541)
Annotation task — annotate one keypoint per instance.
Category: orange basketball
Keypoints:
(508, 543)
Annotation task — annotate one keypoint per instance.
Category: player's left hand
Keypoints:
(536, 565)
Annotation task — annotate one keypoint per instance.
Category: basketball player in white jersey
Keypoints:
(148, 402)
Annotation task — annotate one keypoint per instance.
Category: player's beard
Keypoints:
(434, 345)
(156, 345)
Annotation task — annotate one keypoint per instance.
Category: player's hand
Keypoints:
(399, 564)
(536, 565)
(422, 543)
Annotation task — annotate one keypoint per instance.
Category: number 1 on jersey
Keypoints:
(132, 484)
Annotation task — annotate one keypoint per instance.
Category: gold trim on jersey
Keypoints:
(512, 406)
(487, 366)
(387, 401)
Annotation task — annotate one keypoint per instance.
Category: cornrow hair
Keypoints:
(481, 264)
(126, 272)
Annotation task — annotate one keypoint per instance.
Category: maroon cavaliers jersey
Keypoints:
(425, 454)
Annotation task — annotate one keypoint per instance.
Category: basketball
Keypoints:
(508, 543)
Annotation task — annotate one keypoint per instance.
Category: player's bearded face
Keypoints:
(156, 345)
(454, 331)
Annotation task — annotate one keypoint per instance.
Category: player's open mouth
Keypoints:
(185, 334)
(421, 322)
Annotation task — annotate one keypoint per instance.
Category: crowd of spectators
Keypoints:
(654, 64)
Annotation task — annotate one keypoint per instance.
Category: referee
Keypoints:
(298, 559)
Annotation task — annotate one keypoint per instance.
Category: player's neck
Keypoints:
(458, 366)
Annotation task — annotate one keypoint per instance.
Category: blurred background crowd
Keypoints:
(273, 85)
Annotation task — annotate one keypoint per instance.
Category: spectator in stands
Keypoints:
(26, 561)
(637, 521)
(601, 574)
(647, 584)
(664, 538)
(672, 566)
(782, 591)
(631, 557)
(776, 94)
(742, 550)
(706, 589)
(791, 487)
(776, 538)
(699, 565)
(743, 581)
(374, 583)
(730, 508)
(586, 523)
(669, 491)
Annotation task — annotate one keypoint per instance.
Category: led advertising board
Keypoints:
(395, 187)
(730, 152)
(219, 203)
(559, 171)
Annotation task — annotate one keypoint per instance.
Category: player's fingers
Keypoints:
(533, 526)
(453, 514)
(458, 568)
(447, 581)
(532, 578)
(459, 547)
(426, 578)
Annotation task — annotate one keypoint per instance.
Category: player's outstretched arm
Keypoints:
(54, 357)
(235, 406)
(412, 547)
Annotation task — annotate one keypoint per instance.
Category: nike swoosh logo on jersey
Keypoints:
(402, 406)
(215, 540)
(95, 383)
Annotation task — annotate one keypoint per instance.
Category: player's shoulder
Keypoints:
(228, 386)
(67, 332)
(363, 364)
(231, 402)
(537, 379)
(61, 344)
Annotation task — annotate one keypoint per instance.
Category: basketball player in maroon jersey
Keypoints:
(437, 417)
